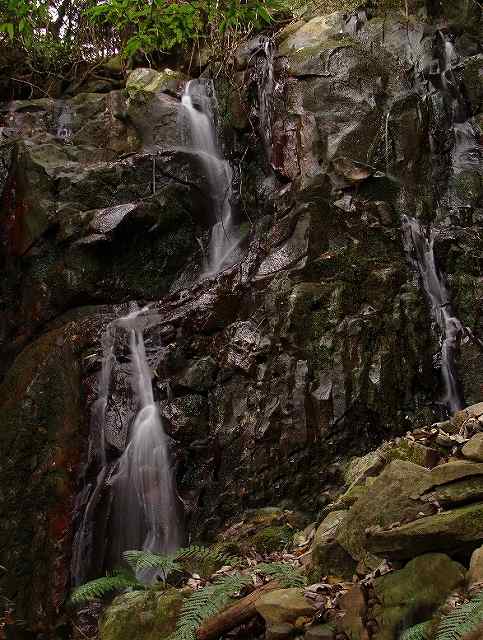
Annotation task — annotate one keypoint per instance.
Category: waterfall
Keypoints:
(199, 104)
(265, 84)
(420, 250)
(146, 510)
(144, 490)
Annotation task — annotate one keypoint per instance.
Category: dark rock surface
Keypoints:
(314, 348)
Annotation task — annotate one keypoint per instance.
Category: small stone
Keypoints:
(474, 448)
(281, 631)
(284, 605)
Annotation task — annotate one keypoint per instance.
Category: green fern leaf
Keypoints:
(206, 602)
(204, 560)
(461, 620)
(417, 632)
(144, 560)
(99, 587)
(286, 574)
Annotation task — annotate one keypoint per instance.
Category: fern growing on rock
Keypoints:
(194, 559)
(207, 602)
(98, 588)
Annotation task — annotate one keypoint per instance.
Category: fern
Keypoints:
(286, 574)
(194, 559)
(205, 603)
(204, 560)
(417, 632)
(99, 587)
(144, 560)
(461, 620)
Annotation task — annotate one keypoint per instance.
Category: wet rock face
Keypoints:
(317, 346)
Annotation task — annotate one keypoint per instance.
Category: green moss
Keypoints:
(144, 615)
(301, 55)
(273, 539)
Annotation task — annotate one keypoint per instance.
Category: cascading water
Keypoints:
(420, 249)
(143, 487)
(450, 121)
(199, 103)
(145, 511)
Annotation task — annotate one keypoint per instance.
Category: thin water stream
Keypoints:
(419, 246)
(199, 104)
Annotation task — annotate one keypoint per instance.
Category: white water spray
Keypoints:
(198, 100)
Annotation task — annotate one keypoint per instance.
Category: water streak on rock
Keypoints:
(420, 249)
(199, 102)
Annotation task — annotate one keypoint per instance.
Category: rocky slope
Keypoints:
(315, 348)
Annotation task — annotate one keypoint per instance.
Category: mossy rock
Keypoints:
(410, 595)
(149, 81)
(273, 539)
(455, 531)
(265, 530)
(388, 500)
(144, 615)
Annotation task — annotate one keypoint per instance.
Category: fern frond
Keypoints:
(204, 560)
(206, 602)
(462, 620)
(286, 574)
(143, 560)
(417, 632)
(99, 587)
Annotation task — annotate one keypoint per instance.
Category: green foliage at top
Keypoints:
(206, 602)
(163, 24)
(20, 18)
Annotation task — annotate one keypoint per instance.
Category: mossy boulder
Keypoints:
(265, 530)
(144, 615)
(387, 500)
(328, 557)
(456, 531)
(410, 595)
(473, 449)
(149, 81)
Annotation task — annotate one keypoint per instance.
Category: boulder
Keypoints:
(445, 474)
(152, 107)
(473, 449)
(387, 501)
(410, 595)
(458, 530)
(328, 557)
(284, 605)
(144, 615)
